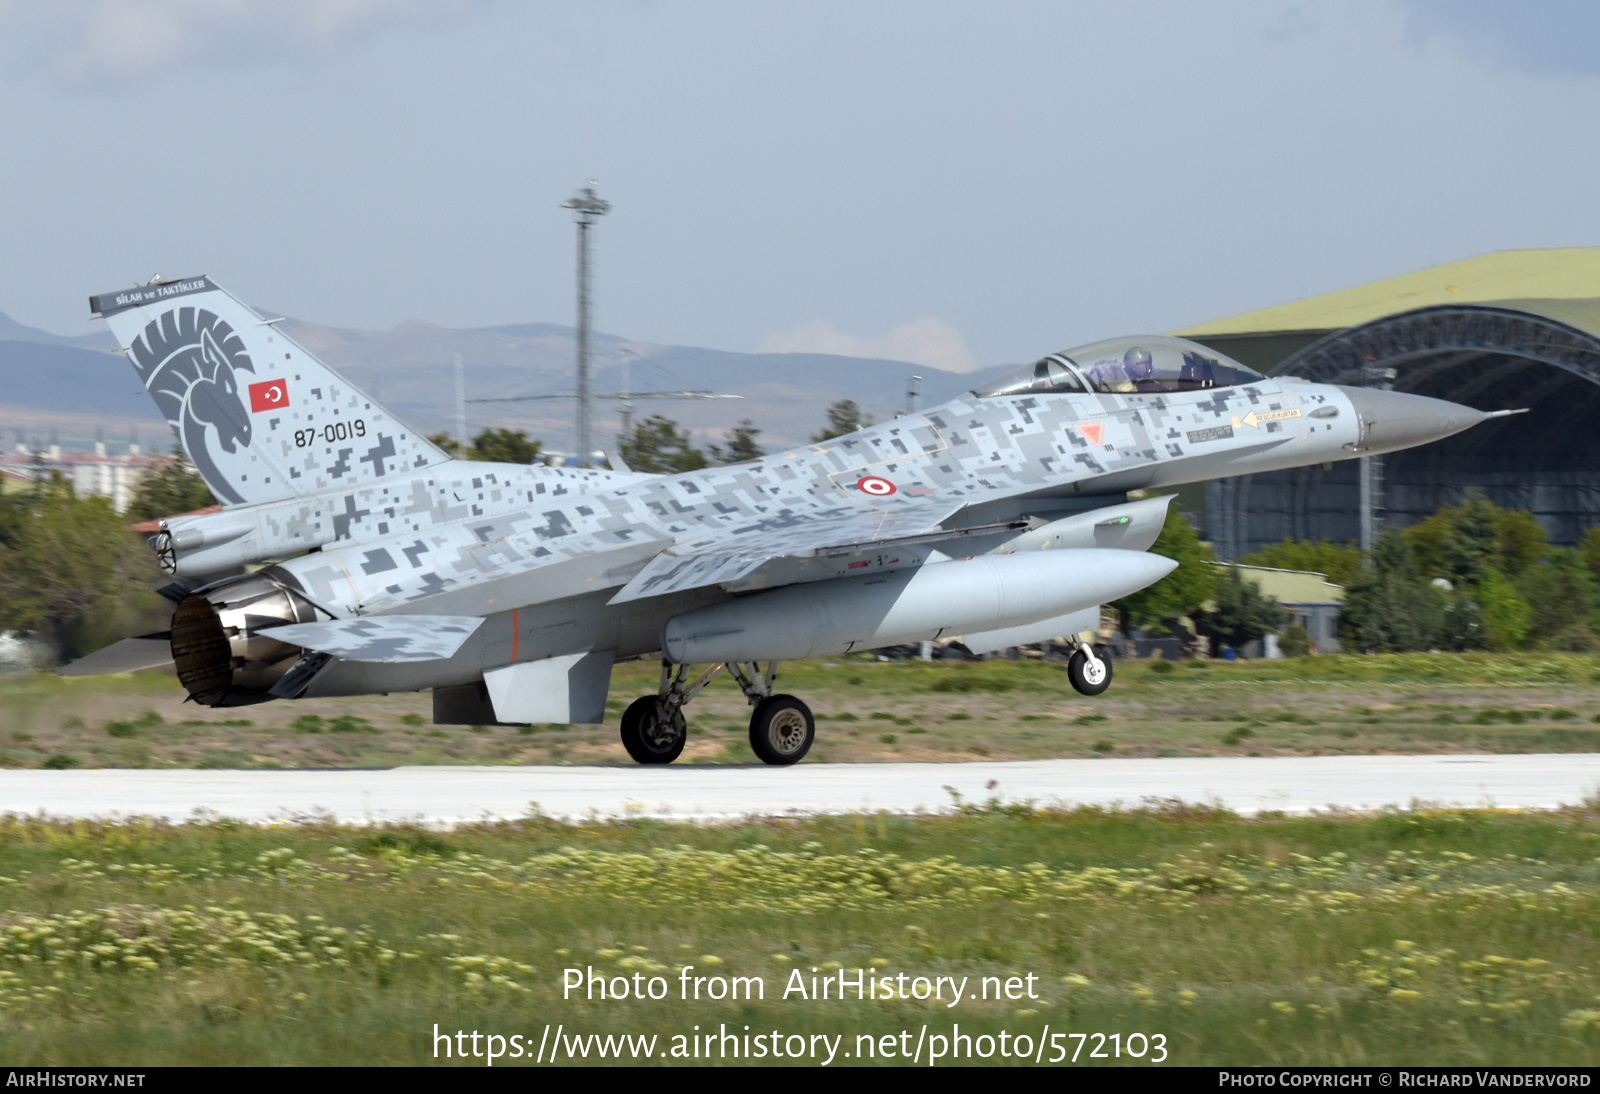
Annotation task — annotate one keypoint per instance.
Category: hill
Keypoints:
(63, 384)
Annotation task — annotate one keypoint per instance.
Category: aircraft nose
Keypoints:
(1392, 420)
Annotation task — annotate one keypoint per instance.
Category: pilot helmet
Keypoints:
(1138, 363)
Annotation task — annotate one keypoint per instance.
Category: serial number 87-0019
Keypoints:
(333, 431)
(1134, 1044)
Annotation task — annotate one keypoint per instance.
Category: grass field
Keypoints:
(868, 710)
(1444, 937)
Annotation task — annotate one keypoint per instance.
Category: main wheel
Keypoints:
(1090, 677)
(647, 738)
(782, 729)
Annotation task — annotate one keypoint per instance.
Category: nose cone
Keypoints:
(1392, 420)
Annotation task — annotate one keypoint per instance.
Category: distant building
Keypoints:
(92, 474)
(1311, 600)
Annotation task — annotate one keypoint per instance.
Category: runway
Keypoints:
(452, 795)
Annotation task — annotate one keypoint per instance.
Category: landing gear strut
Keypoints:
(1089, 668)
(781, 727)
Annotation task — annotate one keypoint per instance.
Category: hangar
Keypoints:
(1502, 330)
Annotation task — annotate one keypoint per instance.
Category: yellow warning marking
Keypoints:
(1255, 418)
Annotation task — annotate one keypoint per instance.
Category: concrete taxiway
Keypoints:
(451, 795)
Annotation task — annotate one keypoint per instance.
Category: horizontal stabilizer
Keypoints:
(148, 651)
(382, 638)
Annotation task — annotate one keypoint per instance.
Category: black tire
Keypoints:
(645, 739)
(1078, 674)
(781, 730)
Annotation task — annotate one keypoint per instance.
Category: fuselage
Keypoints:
(459, 538)
(511, 590)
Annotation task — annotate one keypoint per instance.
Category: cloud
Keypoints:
(106, 41)
(1554, 36)
(926, 341)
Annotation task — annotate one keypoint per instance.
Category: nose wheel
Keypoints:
(1089, 669)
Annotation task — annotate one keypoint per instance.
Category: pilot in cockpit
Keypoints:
(1141, 370)
(1110, 376)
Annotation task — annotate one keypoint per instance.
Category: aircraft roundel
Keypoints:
(878, 488)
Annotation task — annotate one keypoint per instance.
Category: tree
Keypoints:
(504, 446)
(175, 488)
(1507, 617)
(1339, 561)
(1590, 546)
(1243, 614)
(449, 445)
(742, 445)
(1560, 593)
(1461, 626)
(843, 417)
(1184, 589)
(658, 446)
(1391, 605)
(69, 569)
(1458, 541)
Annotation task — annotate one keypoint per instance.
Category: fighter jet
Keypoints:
(1003, 516)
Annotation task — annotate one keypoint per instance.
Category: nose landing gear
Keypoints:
(782, 728)
(1089, 669)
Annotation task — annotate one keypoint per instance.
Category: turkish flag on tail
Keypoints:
(269, 395)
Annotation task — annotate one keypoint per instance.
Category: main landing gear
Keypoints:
(1089, 668)
(781, 727)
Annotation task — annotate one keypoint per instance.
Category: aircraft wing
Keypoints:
(382, 638)
(738, 553)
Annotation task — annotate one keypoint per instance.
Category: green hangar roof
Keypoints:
(1563, 283)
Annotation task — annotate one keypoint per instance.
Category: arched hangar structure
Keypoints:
(1541, 354)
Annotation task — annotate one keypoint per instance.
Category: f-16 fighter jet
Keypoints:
(1002, 516)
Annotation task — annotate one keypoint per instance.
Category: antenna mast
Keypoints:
(461, 403)
(588, 207)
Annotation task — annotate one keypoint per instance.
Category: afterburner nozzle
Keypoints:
(1392, 420)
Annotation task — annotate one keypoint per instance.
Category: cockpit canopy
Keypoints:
(1149, 364)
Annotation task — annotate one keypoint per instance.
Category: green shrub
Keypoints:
(1295, 642)
(147, 720)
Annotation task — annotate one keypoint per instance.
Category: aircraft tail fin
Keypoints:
(261, 418)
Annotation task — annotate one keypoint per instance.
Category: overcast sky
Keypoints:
(959, 184)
